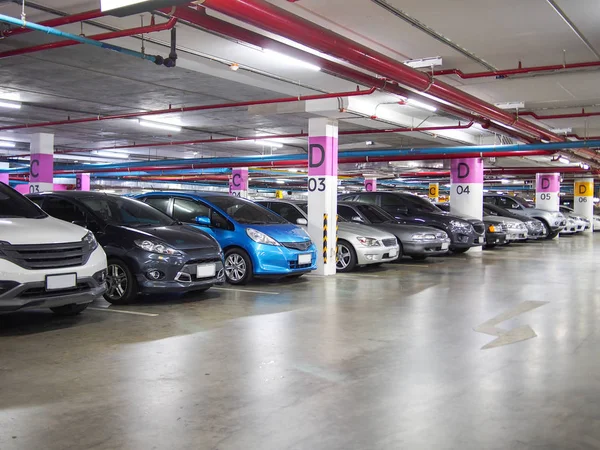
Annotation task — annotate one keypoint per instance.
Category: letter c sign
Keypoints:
(33, 168)
(237, 180)
(369, 186)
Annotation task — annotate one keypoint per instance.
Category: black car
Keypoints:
(414, 210)
(147, 251)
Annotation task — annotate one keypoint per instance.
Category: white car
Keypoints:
(45, 262)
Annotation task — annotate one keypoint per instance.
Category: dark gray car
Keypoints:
(416, 241)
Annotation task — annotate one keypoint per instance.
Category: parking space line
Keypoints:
(135, 313)
(245, 290)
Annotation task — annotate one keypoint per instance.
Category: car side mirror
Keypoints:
(203, 221)
(357, 219)
(301, 221)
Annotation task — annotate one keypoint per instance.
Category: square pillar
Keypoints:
(583, 200)
(434, 192)
(4, 176)
(466, 189)
(371, 184)
(322, 191)
(41, 165)
(238, 183)
(82, 182)
(547, 188)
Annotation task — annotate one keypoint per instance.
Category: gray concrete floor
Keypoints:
(384, 358)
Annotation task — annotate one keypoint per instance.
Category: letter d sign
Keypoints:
(463, 170)
(545, 183)
(582, 189)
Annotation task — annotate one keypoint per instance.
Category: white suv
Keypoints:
(45, 262)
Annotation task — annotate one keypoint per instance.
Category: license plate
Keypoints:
(206, 270)
(393, 252)
(480, 240)
(445, 246)
(304, 259)
(55, 282)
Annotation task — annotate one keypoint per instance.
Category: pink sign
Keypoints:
(370, 184)
(322, 156)
(547, 182)
(41, 168)
(4, 178)
(467, 170)
(239, 180)
(82, 182)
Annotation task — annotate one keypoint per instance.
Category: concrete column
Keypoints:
(371, 184)
(41, 165)
(322, 191)
(583, 201)
(4, 176)
(547, 187)
(434, 192)
(82, 182)
(238, 183)
(466, 189)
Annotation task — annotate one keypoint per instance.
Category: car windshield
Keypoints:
(13, 204)
(304, 207)
(126, 211)
(420, 204)
(375, 214)
(246, 212)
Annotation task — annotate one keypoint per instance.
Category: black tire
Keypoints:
(458, 251)
(119, 272)
(419, 257)
(552, 235)
(69, 310)
(240, 269)
(346, 257)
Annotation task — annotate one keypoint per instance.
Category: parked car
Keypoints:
(581, 222)
(411, 209)
(535, 228)
(553, 222)
(148, 252)
(571, 227)
(495, 233)
(358, 245)
(44, 262)
(416, 241)
(568, 200)
(256, 241)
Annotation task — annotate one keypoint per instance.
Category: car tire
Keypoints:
(346, 257)
(69, 310)
(238, 266)
(122, 285)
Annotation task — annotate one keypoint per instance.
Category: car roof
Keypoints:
(75, 194)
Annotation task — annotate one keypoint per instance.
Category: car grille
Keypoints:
(46, 256)
(302, 246)
(479, 227)
(295, 265)
(41, 291)
(389, 242)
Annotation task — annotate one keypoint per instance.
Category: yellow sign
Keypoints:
(279, 194)
(434, 190)
(584, 189)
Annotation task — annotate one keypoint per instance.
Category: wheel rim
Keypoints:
(235, 267)
(117, 282)
(343, 257)
(545, 231)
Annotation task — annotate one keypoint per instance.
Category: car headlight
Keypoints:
(460, 225)
(368, 242)
(260, 237)
(89, 240)
(423, 237)
(156, 247)
(558, 215)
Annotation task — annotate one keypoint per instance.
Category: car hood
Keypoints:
(494, 219)
(405, 232)
(436, 216)
(357, 229)
(18, 231)
(180, 237)
(284, 232)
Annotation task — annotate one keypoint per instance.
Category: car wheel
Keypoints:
(238, 266)
(69, 310)
(122, 285)
(346, 257)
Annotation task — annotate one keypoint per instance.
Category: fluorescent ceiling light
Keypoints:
(159, 125)
(584, 166)
(280, 181)
(112, 154)
(418, 104)
(291, 60)
(561, 130)
(504, 181)
(424, 62)
(268, 143)
(6, 144)
(510, 105)
(10, 104)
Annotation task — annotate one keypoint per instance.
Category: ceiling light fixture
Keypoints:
(7, 144)
(369, 143)
(424, 62)
(418, 104)
(584, 166)
(10, 104)
(291, 60)
(107, 154)
(561, 130)
(158, 125)
(510, 105)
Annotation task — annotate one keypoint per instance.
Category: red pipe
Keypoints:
(88, 15)
(560, 116)
(263, 137)
(200, 18)
(501, 171)
(192, 108)
(279, 21)
(97, 37)
(518, 71)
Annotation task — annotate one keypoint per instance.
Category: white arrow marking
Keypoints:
(505, 337)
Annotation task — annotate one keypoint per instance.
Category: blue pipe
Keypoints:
(253, 161)
(74, 37)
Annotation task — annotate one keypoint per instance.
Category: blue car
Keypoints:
(256, 241)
